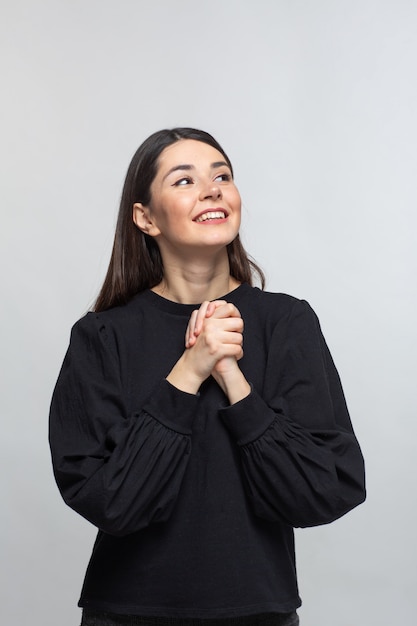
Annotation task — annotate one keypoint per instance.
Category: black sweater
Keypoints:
(195, 499)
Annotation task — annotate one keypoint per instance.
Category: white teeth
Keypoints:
(212, 215)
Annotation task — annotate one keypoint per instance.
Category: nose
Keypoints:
(211, 190)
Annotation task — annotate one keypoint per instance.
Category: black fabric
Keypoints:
(194, 499)
(97, 618)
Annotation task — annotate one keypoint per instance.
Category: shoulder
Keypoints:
(116, 315)
(109, 326)
(280, 300)
(274, 307)
(287, 324)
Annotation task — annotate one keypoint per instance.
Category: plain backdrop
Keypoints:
(315, 101)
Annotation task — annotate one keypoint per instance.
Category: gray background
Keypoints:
(315, 101)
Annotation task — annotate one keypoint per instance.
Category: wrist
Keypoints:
(233, 383)
(183, 377)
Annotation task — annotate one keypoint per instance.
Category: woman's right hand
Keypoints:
(213, 333)
(195, 324)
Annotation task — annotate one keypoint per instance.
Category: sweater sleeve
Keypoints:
(301, 461)
(120, 471)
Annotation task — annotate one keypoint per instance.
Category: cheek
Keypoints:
(236, 200)
(162, 210)
(170, 215)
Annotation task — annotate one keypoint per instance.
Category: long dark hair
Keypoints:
(136, 262)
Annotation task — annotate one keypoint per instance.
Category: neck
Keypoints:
(196, 280)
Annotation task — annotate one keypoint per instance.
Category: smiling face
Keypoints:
(194, 204)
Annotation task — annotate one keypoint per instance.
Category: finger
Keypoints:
(214, 325)
(213, 305)
(226, 310)
(231, 337)
(195, 324)
(232, 350)
(200, 317)
(189, 333)
(225, 344)
(206, 310)
(197, 318)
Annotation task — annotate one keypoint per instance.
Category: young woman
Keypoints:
(196, 419)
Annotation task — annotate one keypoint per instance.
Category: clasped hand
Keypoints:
(214, 338)
(213, 346)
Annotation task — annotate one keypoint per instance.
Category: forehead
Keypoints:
(188, 152)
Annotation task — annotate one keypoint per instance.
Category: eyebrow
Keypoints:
(186, 167)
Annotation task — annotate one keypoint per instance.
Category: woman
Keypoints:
(193, 451)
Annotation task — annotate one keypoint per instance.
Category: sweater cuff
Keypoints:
(172, 407)
(247, 419)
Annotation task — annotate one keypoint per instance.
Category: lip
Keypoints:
(212, 210)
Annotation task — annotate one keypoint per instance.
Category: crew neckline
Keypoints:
(177, 308)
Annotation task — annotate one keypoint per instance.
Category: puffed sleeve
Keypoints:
(301, 461)
(120, 471)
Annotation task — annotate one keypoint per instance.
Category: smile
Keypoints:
(211, 215)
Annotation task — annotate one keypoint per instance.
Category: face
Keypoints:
(195, 204)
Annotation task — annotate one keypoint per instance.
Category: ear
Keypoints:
(142, 218)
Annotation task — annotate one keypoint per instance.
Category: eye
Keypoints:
(223, 178)
(181, 182)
